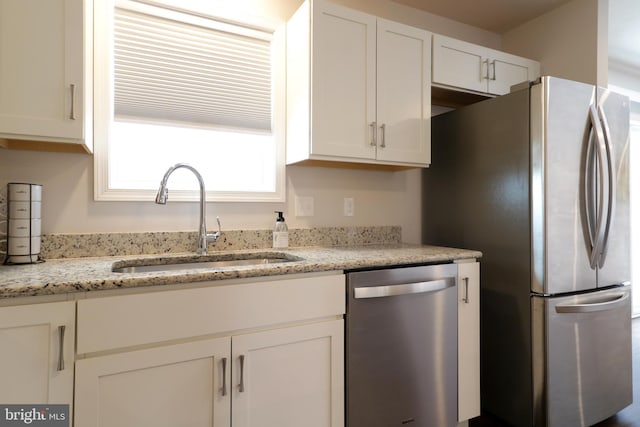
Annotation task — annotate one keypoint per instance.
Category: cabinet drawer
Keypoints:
(133, 320)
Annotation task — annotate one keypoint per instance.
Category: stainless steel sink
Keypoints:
(204, 262)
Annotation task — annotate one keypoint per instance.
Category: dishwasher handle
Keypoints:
(404, 289)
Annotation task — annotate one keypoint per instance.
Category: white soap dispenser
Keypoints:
(280, 232)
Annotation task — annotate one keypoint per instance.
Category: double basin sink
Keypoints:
(192, 262)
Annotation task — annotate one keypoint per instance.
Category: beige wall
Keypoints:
(569, 42)
(381, 198)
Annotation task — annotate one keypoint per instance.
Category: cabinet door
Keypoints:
(507, 70)
(459, 64)
(343, 82)
(41, 72)
(468, 340)
(290, 377)
(476, 68)
(174, 385)
(403, 93)
(36, 360)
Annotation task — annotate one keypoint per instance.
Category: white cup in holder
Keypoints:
(24, 210)
(24, 192)
(25, 227)
(23, 246)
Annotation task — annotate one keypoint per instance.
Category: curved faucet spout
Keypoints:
(162, 196)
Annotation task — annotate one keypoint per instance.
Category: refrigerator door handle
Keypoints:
(609, 304)
(589, 191)
(611, 184)
(602, 190)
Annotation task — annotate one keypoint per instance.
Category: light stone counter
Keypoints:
(73, 275)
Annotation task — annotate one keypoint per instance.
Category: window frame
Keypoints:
(104, 113)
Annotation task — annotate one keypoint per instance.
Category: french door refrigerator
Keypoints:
(538, 180)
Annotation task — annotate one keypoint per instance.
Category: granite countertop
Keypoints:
(69, 275)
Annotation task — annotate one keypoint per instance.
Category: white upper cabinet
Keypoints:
(358, 88)
(343, 82)
(467, 66)
(403, 94)
(43, 88)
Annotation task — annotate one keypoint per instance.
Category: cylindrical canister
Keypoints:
(24, 223)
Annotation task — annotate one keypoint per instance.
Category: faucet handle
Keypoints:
(163, 194)
(213, 237)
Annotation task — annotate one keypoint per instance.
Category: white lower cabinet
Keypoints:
(261, 353)
(289, 377)
(174, 385)
(468, 341)
(36, 356)
(243, 355)
(284, 377)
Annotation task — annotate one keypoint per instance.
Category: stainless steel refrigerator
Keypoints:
(538, 180)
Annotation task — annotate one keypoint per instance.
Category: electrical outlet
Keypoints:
(349, 206)
(304, 206)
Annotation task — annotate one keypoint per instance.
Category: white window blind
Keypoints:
(185, 69)
(172, 85)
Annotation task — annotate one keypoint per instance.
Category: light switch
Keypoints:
(304, 206)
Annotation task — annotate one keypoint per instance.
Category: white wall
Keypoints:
(570, 41)
(381, 198)
(627, 77)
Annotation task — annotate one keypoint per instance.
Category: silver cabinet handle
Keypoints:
(466, 290)
(383, 128)
(373, 142)
(72, 113)
(403, 289)
(486, 74)
(597, 306)
(224, 376)
(241, 385)
(493, 63)
(61, 330)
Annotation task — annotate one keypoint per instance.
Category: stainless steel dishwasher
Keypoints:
(401, 347)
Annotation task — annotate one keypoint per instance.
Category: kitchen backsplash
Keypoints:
(113, 244)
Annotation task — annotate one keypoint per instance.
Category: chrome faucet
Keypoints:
(161, 199)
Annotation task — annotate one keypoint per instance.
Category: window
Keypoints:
(175, 86)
